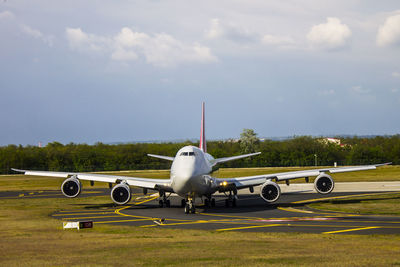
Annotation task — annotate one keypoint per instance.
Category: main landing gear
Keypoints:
(209, 202)
(164, 201)
(231, 200)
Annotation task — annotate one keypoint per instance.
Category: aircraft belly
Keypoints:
(194, 185)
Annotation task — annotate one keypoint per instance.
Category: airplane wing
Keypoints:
(161, 157)
(244, 182)
(221, 160)
(148, 183)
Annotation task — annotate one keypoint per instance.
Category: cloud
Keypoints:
(229, 31)
(327, 92)
(275, 40)
(396, 74)
(389, 32)
(81, 41)
(330, 35)
(161, 49)
(47, 39)
(6, 15)
(358, 89)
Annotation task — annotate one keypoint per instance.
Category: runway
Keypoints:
(289, 214)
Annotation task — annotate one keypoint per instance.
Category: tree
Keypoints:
(248, 141)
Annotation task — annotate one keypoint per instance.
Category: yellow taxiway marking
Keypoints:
(350, 230)
(147, 200)
(83, 213)
(295, 210)
(232, 216)
(31, 193)
(21, 195)
(133, 220)
(247, 227)
(91, 217)
(197, 222)
(338, 197)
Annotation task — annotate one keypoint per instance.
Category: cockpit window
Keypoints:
(187, 154)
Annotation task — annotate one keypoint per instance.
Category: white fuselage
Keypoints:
(190, 173)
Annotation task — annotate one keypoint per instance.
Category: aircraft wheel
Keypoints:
(183, 203)
(213, 202)
(227, 203)
(206, 202)
(193, 210)
(234, 202)
(168, 203)
(160, 203)
(187, 209)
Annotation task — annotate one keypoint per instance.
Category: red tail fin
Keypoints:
(203, 144)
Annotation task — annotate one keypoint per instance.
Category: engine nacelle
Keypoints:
(270, 191)
(324, 183)
(121, 194)
(71, 187)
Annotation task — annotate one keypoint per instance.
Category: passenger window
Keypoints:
(191, 153)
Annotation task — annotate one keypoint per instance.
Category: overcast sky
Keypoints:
(119, 71)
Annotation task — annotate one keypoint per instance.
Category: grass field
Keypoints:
(30, 236)
(386, 204)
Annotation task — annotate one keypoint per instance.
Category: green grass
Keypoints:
(30, 236)
(385, 204)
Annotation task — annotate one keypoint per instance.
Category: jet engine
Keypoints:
(324, 183)
(270, 191)
(121, 194)
(71, 187)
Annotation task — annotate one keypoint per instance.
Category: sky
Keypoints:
(123, 71)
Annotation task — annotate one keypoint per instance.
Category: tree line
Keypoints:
(297, 151)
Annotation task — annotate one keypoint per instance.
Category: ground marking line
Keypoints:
(350, 230)
(133, 220)
(294, 210)
(199, 222)
(91, 217)
(337, 197)
(144, 201)
(232, 216)
(90, 213)
(246, 227)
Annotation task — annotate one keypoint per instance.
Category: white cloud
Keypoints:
(358, 89)
(327, 92)
(47, 39)
(330, 35)
(275, 40)
(389, 32)
(159, 49)
(396, 74)
(229, 31)
(6, 15)
(81, 41)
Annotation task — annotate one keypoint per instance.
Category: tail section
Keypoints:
(203, 144)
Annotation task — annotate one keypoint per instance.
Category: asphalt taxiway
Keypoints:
(289, 214)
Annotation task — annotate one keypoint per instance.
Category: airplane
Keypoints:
(190, 178)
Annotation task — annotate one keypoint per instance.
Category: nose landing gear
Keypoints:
(189, 206)
(164, 200)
